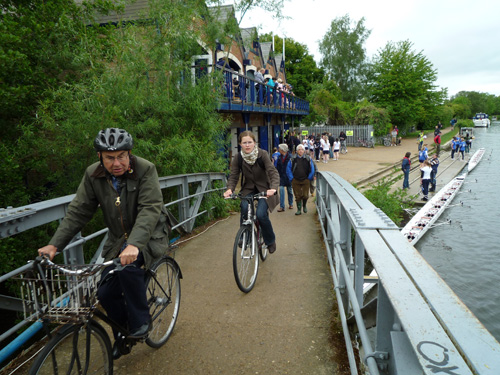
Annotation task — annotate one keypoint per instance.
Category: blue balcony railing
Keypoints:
(247, 95)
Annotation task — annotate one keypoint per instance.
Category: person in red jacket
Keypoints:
(437, 141)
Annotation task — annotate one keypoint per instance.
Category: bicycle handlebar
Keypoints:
(262, 194)
(90, 270)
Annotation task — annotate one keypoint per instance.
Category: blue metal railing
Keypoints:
(249, 95)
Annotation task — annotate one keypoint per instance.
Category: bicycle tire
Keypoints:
(343, 150)
(245, 264)
(263, 251)
(59, 355)
(163, 290)
(387, 142)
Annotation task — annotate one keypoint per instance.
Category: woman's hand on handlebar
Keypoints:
(228, 193)
(271, 192)
(49, 250)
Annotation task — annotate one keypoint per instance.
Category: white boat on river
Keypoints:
(427, 216)
(476, 158)
(481, 120)
(430, 212)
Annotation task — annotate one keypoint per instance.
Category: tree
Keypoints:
(403, 82)
(301, 69)
(344, 56)
(478, 102)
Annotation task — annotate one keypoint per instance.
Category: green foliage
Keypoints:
(464, 123)
(323, 100)
(344, 56)
(474, 102)
(301, 69)
(369, 114)
(404, 84)
(136, 77)
(462, 107)
(393, 203)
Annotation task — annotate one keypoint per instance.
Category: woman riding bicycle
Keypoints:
(127, 190)
(258, 175)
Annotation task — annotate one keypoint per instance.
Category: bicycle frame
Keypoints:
(252, 221)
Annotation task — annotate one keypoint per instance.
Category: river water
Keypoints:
(466, 253)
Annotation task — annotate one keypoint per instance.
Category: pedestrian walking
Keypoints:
(300, 170)
(285, 183)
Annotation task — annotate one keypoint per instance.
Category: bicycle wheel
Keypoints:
(245, 259)
(343, 150)
(387, 142)
(164, 298)
(76, 349)
(262, 246)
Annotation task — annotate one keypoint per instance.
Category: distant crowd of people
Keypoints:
(460, 145)
(320, 147)
(273, 89)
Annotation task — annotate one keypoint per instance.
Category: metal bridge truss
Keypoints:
(419, 325)
(190, 191)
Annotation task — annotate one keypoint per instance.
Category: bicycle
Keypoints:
(247, 243)
(387, 140)
(365, 143)
(67, 295)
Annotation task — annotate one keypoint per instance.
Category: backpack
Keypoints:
(422, 156)
(294, 163)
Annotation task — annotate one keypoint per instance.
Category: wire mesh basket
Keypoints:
(53, 294)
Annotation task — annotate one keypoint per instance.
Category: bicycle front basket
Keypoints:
(51, 294)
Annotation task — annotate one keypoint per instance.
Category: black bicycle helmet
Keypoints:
(113, 139)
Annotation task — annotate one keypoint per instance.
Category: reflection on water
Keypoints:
(467, 253)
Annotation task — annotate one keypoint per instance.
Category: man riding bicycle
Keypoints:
(127, 189)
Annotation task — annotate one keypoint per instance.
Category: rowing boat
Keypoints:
(475, 159)
(424, 219)
(429, 213)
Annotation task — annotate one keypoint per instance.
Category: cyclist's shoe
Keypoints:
(142, 331)
(272, 248)
(120, 347)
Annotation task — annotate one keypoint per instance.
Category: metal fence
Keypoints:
(419, 325)
(356, 134)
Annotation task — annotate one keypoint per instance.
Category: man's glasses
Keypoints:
(120, 158)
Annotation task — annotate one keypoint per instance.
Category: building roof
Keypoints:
(137, 10)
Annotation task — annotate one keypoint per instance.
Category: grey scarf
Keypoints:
(251, 157)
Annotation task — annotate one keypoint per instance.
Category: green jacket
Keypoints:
(140, 218)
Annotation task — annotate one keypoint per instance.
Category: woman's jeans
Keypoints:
(262, 217)
(425, 187)
(406, 180)
(289, 191)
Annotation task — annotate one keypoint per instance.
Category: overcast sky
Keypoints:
(459, 37)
